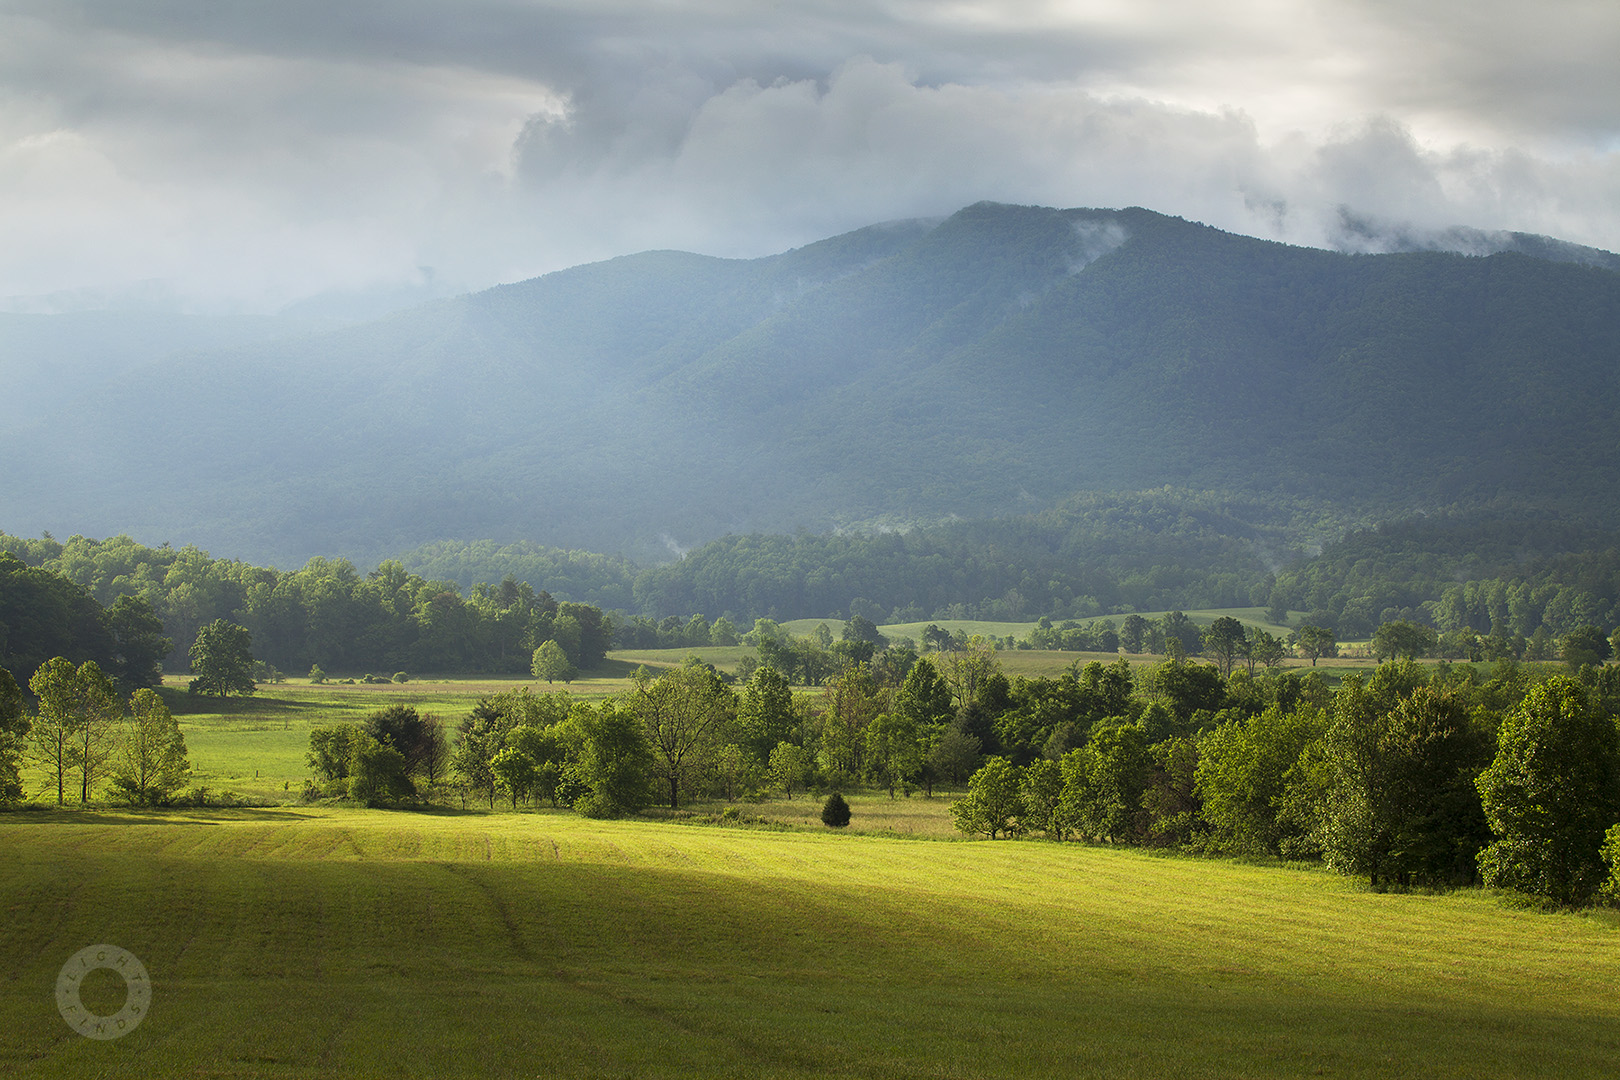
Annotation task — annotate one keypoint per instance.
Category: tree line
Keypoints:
(1407, 777)
(132, 608)
(1412, 776)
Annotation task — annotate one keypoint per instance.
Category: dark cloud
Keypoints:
(264, 151)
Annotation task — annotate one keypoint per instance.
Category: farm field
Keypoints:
(349, 943)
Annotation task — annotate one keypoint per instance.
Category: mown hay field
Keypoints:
(325, 942)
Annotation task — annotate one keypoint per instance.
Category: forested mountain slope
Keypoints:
(993, 362)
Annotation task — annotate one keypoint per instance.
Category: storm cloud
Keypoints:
(247, 154)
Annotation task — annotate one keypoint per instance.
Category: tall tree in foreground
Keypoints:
(1550, 795)
(222, 660)
(150, 765)
(70, 735)
(1400, 805)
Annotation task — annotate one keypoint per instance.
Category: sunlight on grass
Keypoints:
(322, 942)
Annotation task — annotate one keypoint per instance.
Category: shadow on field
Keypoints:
(187, 815)
(182, 704)
(610, 668)
(328, 967)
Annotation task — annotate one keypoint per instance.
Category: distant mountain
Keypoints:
(993, 362)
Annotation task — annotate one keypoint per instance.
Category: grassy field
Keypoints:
(347, 943)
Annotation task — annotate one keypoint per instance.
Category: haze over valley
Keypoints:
(907, 374)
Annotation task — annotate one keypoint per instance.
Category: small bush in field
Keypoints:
(835, 811)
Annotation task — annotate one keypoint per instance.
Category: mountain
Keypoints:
(990, 363)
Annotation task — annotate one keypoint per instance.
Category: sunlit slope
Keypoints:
(993, 362)
(326, 943)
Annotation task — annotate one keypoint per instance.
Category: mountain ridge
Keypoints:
(992, 362)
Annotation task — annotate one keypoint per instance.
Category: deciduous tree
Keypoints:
(1583, 646)
(550, 663)
(615, 759)
(1225, 640)
(894, 753)
(1401, 639)
(1550, 795)
(765, 714)
(150, 764)
(994, 800)
(71, 736)
(222, 660)
(789, 766)
(1314, 642)
(681, 714)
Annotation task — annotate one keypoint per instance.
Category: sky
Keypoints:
(244, 154)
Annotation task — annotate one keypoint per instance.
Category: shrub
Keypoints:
(316, 675)
(835, 811)
(400, 676)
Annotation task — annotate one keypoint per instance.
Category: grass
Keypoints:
(723, 657)
(914, 631)
(328, 943)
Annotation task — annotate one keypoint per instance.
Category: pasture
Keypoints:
(316, 943)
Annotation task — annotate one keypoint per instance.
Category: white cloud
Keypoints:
(261, 152)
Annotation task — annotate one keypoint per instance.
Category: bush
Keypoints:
(835, 811)
(316, 675)
(400, 676)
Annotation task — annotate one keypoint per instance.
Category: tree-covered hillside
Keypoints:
(991, 364)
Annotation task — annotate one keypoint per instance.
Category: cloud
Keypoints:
(252, 153)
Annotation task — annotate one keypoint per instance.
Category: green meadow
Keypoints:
(322, 942)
